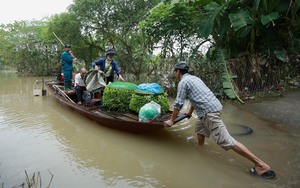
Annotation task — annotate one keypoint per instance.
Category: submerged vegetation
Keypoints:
(237, 47)
(33, 181)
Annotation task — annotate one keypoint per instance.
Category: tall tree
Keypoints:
(114, 24)
(250, 30)
(24, 50)
(171, 24)
(64, 29)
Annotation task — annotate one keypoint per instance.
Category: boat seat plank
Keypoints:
(126, 118)
(119, 117)
(131, 116)
(101, 113)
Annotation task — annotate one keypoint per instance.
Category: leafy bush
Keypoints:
(117, 99)
(139, 100)
(126, 98)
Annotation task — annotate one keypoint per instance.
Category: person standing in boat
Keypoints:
(208, 109)
(79, 85)
(108, 66)
(67, 66)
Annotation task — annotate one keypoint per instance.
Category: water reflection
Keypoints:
(39, 134)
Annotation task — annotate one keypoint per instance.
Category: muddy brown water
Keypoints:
(37, 134)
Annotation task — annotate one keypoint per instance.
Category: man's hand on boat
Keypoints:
(179, 117)
(168, 123)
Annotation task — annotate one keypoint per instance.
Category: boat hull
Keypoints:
(124, 121)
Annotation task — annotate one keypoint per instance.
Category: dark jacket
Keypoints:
(101, 64)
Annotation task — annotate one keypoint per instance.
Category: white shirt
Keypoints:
(78, 79)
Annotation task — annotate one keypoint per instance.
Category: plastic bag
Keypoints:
(150, 87)
(94, 81)
(149, 112)
(86, 95)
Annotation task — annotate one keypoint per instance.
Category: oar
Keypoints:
(180, 117)
(63, 93)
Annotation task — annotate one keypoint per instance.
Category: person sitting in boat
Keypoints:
(108, 66)
(79, 85)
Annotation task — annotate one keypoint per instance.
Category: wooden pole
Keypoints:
(63, 93)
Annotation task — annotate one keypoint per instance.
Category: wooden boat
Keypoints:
(125, 121)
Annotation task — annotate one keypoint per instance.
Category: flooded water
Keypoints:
(37, 134)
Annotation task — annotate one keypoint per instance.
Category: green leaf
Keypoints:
(139, 100)
(221, 57)
(226, 85)
(214, 11)
(281, 55)
(233, 76)
(240, 20)
(243, 32)
(230, 93)
(117, 98)
(265, 19)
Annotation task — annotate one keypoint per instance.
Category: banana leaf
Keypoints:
(240, 20)
(213, 16)
(228, 87)
(265, 19)
(241, 23)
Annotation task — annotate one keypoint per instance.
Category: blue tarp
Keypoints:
(150, 87)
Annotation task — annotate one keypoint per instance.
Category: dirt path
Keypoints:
(284, 111)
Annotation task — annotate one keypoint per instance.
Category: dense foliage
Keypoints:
(117, 99)
(139, 100)
(231, 44)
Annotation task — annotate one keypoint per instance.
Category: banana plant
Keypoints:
(221, 58)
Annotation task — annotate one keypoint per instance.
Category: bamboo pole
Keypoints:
(63, 93)
(72, 55)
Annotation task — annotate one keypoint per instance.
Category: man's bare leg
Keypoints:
(260, 166)
(201, 139)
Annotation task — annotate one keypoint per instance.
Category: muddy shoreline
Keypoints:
(283, 112)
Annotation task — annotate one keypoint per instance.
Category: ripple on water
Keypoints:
(15, 121)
